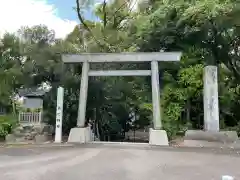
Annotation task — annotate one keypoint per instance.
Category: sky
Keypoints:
(58, 15)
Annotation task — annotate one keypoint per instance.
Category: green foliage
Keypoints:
(30, 109)
(7, 123)
(171, 119)
(187, 85)
(5, 129)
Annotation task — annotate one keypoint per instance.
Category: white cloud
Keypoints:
(134, 4)
(17, 13)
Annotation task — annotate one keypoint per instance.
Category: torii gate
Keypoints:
(81, 134)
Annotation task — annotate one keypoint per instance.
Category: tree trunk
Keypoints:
(188, 111)
(14, 108)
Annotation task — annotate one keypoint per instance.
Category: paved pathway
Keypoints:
(109, 162)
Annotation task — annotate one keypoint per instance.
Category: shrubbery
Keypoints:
(7, 123)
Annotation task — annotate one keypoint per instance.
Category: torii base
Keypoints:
(158, 137)
(80, 135)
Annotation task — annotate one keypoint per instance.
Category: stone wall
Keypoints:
(30, 133)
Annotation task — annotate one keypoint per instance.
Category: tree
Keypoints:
(208, 27)
(11, 76)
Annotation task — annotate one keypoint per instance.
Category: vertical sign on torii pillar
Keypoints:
(81, 133)
(59, 114)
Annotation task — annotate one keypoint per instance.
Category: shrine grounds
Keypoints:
(109, 161)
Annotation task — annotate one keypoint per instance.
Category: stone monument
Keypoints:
(211, 135)
(211, 110)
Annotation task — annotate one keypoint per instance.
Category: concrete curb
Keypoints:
(23, 145)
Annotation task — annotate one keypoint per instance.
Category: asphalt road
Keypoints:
(109, 162)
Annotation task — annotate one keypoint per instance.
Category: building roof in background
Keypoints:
(32, 92)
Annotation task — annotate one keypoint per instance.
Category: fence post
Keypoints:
(40, 117)
(19, 117)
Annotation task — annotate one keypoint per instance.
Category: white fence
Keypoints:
(30, 117)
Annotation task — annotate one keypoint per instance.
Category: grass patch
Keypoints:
(9, 118)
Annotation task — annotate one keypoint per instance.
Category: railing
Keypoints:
(30, 117)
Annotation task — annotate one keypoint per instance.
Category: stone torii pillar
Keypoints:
(81, 133)
(83, 95)
(156, 96)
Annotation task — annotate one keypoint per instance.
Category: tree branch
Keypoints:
(85, 25)
(104, 14)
